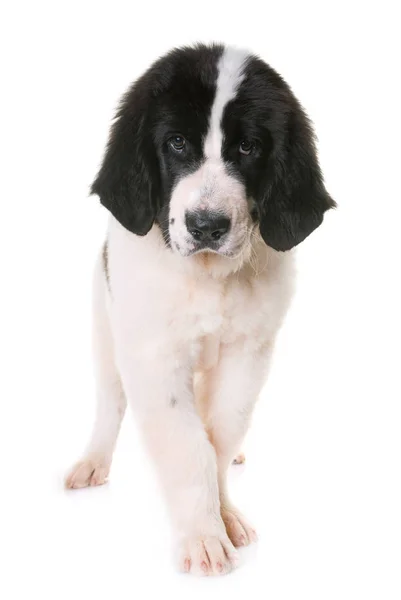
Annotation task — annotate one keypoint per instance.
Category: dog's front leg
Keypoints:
(232, 390)
(159, 389)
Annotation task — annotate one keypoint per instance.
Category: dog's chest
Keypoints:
(211, 305)
(222, 313)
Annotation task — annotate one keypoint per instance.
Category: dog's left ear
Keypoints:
(294, 200)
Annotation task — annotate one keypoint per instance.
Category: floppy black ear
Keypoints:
(128, 181)
(295, 199)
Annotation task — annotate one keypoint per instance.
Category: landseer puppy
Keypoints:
(211, 178)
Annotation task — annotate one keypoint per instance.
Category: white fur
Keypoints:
(230, 76)
(189, 340)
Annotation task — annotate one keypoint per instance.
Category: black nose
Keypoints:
(206, 226)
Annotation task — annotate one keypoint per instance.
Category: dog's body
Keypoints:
(192, 285)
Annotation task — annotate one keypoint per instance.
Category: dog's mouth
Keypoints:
(197, 251)
(192, 249)
(209, 246)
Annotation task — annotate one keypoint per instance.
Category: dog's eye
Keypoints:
(177, 143)
(246, 147)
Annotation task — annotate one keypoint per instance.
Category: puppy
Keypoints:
(211, 178)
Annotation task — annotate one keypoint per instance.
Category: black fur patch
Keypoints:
(139, 171)
(282, 173)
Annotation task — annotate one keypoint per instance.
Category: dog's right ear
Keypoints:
(128, 181)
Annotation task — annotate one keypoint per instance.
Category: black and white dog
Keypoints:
(211, 178)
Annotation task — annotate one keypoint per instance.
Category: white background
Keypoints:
(322, 479)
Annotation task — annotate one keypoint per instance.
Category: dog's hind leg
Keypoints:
(94, 466)
(239, 459)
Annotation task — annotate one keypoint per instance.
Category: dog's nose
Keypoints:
(205, 226)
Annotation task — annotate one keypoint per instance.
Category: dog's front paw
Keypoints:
(238, 529)
(208, 555)
(92, 470)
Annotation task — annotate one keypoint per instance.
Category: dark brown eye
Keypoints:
(246, 147)
(177, 143)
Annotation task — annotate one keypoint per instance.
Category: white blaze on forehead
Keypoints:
(230, 75)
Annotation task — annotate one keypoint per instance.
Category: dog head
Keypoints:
(210, 143)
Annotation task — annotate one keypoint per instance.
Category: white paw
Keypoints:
(208, 555)
(240, 532)
(91, 471)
